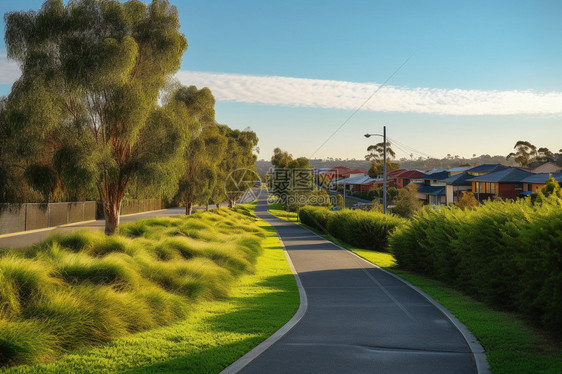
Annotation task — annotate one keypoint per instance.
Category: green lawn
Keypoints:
(214, 333)
(512, 345)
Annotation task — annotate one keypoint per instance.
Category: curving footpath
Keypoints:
(357, 318)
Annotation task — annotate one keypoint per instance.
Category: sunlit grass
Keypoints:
(85, 288)
(213, 333)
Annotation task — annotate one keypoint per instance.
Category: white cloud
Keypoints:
(9, 70)
(300, 92)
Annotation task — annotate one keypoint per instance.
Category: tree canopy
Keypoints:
(87, 100)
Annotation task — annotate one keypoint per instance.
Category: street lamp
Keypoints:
(384, 166)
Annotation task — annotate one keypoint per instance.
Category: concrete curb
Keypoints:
(478, 352)
(243, 361)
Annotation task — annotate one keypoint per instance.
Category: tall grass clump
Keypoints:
(85, 288)
(369, 230)
(508, 254)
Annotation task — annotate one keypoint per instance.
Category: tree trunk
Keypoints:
(230, 203)
(218, 205)
(188, 208)
(111, 212)
(207, 207)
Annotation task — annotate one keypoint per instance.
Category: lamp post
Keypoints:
(383, 167)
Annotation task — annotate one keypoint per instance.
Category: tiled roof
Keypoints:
(395, 172)
(411, 174)
(432, 190)
(458, 179)
(363, 179)
(459, 169)
(541, 178)
(437, 176)
(509, 175)
(487, 168)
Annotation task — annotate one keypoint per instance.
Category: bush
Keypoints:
(508, 254)
(86, 288)
(368, 230)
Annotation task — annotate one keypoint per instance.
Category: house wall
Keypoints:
(508, 191)
(449, 194)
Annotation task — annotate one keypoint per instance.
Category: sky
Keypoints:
(311, 77)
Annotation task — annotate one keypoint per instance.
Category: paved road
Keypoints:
(360, 319)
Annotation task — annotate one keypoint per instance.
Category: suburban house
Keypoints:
(432, 188)
(401, 180)
(485, 169)
(362, 183)
(455, 185)
(354, 173)
(535, 182)
(506, 183)
(546, 167)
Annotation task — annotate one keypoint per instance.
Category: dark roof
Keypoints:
(541, 178)
(458, 179)
(487, 168)
(432, 190)
(509, 175)
(437, 176)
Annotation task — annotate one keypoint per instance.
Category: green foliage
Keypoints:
(467, 200)
(369, 230)
(505, 253)
(86, 105)
(213, 335)
(525, 153)
(204, 152)
(406, 202)
(339, 201)
(87, 288)
(551, 188)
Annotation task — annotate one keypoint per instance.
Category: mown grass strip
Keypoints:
(214, 333)
(511, 344)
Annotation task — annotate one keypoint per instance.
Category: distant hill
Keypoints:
(262, 166)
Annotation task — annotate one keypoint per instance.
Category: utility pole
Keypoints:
(384, 171)
(383, 167)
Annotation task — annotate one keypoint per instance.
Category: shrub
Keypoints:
(364, 229)
(85, 288)
(316, 217)
(508, 254)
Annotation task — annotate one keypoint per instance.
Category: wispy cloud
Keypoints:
(9, 70)
(300, 92)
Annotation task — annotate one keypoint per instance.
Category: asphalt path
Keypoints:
(359, 319)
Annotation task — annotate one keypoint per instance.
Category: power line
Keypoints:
(361, 106)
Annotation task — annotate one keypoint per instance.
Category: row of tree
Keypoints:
(96, 111)
(527, 153)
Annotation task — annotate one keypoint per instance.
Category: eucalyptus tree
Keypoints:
(94, 69)
(376, 156)
(525, 153)
(204, 152)
(238, 169)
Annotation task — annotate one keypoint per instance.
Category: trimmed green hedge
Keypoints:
(363, 229)
(505, 253)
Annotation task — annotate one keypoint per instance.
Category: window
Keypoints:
(518, 186)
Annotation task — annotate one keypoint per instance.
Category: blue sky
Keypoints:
(480, 76)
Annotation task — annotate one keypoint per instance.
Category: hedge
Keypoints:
(505, 253)
(369, 230)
